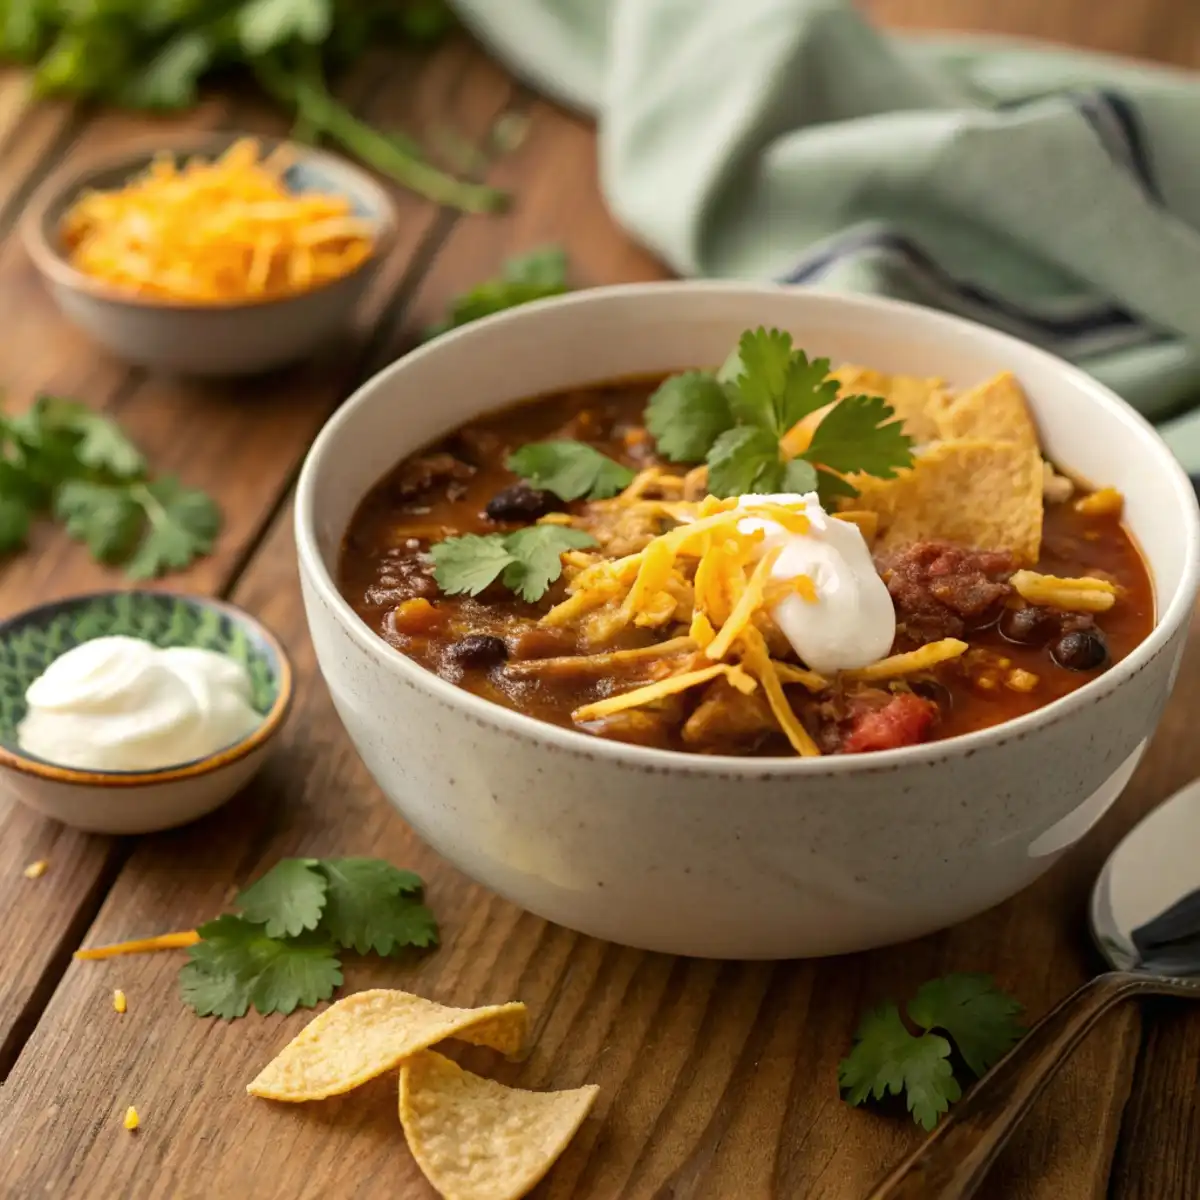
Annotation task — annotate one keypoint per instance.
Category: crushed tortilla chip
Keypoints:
(371, 1032)
(995, 411)
(911, 399)
(971, 491)
(475, 1139)
(36, 870)
(921, 659)
(1107, 502)
(867, 522)
(1085, 594)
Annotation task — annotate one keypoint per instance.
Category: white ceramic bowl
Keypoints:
(721, 856)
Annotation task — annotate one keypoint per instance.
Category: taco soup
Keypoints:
(769, 559)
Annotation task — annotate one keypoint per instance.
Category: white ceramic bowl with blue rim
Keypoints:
(721, 856)
(238, 338)
(122, 802)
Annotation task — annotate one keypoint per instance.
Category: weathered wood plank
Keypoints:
(241, 442)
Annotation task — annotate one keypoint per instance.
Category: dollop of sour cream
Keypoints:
(852, 622)
(121, 704)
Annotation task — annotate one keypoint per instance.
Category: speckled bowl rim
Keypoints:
(860, 308)
(272, 721)
(74, 177)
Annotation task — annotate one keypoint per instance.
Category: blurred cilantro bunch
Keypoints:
(154, 54)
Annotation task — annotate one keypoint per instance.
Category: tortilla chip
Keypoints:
(371, 1032)
(476, 1139)
(986, 495)
(914, 400)
(995, 411)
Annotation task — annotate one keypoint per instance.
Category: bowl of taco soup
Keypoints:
(744, 621)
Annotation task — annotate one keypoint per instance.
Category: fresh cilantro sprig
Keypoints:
(281, 952)
(62, 458)
(526, 562)
(525, 277)
(571, 470)
(735, 419)
(156, 55)
(980, 1021)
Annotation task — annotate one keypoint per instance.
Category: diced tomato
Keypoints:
(904, 721)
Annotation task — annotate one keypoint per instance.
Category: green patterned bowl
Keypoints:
(123, 802)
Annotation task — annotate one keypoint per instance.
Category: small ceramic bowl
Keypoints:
(121, 802)
(720, 856)
(240, 338)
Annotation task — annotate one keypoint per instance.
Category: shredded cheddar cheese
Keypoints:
(132, 1120)
(660, 690)
(221, 232)
(898, 665)
(164, 941)
(1086, 594)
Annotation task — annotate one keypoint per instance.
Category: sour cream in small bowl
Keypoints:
(130, 712)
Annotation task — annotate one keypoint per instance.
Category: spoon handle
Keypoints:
(951, 1163)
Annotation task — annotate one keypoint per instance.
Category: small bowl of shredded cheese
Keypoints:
(222, 255)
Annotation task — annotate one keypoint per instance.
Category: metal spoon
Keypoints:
(1145, 920)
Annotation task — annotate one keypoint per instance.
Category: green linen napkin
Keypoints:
(1052, 194)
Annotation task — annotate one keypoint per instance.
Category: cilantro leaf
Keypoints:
(857, 435)
(777, 386)
(264, 25)
(532, 276)
(287, 900)
(801, 477)
(570, 469)
(171, 78)
(15, 516)
(527, 561)
(95, 440)
(831, 488)
(887, 1058)
(981, 1020)
(743, 460)
(103, 516)
(686, 415)
(235, 964)
(537, 557)
(184, 523)
(374, 906)
(469, 564)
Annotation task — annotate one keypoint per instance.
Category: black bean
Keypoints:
(522, 503)
(931, 689)
(1081, 650)
(1031, 626)
(478, 650)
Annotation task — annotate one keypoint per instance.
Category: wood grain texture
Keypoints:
(242, 443)
(717, 1078)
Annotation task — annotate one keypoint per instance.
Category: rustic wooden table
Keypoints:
(717, 1078)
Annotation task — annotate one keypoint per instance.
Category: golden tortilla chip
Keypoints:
(371, 1032)
(986, 495)
(995, 411)
(476, 1139)
(914, 400)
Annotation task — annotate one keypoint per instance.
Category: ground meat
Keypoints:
(905, 720)
(728, 720)
(940, 590)
(421, 474)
